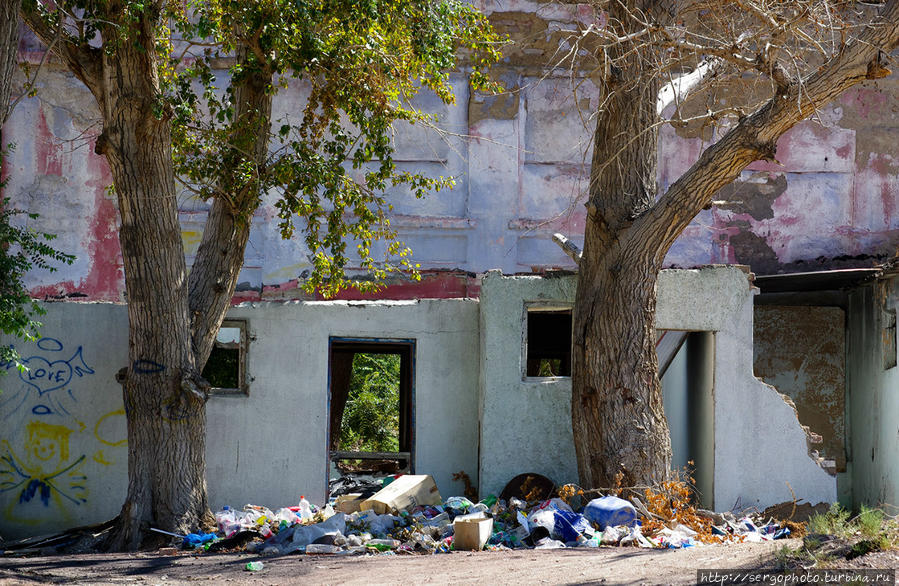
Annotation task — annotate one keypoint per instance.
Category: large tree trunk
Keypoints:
(9, 50)
(617, 416)
(619, 425)
(164, 401)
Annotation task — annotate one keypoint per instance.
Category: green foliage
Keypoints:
(222, 368)
(362, 62)
(833, 522)
(371, 416)
(870, 521)
(21, 249)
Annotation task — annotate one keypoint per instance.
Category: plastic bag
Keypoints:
(611, 511)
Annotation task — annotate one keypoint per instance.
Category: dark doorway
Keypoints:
(371, 405)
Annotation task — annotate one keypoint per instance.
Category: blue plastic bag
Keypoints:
(192, 540)
(611, 511)
(569, 526)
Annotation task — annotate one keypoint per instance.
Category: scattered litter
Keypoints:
(406, 515)
(253, 566)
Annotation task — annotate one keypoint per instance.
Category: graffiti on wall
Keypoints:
(43, 473)
(47, 389)
(46, 466)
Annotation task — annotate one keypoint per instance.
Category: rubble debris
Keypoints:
(406, 515)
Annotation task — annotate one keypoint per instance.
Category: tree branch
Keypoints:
(755, 137)
(82, 60)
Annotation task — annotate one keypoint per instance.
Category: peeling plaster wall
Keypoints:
(759, 443)
(801, 351)
(65, 428)
(873, 398)
(521, 175)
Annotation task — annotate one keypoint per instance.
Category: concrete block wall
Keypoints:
(520, 159)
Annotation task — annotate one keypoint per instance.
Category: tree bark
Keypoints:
(164, 395)
(164, 402)
(616, 405)
(9, 51)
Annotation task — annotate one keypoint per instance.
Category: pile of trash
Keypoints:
(407, 515)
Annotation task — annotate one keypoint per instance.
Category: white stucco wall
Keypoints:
(760, 447)
(873, 400)
(62, 425)
(266, 448)
(525, 424)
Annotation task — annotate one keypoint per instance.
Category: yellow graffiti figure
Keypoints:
(43, 475)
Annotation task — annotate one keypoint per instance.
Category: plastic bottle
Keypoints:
(253, 566)
(305, 512)
(226, 521)
(383, 544)
(318, 548)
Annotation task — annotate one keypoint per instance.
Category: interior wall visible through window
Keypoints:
(226, 368)
(547, 341)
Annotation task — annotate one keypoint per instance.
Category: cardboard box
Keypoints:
(404, 493)
(348, 503)
(471, 534)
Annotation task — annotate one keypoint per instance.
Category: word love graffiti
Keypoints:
(46, 376)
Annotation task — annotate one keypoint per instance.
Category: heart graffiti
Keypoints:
(47, 376)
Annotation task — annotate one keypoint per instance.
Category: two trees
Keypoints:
(358, 60)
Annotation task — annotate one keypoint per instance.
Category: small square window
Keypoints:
(548, 342)
(226, 368)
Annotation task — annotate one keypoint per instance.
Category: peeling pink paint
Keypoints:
(106, 278)
(48, 148)
(865, 101)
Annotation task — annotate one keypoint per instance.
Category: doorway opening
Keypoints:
(687, 372)
(371, 404)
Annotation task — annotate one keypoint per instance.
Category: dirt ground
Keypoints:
(564, 566)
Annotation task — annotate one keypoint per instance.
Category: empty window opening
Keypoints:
(371, 407)
(548, 342)
(226, 368)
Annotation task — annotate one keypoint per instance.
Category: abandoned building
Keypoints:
(780, 374)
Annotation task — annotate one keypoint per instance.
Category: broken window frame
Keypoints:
(243, 387)
(543, 307)
(405, 347)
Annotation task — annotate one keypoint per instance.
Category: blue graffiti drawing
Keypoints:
(48, 377)
(143, 366)
(43, 474)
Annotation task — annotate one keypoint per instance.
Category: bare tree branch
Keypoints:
(83, 60)
(755, 137)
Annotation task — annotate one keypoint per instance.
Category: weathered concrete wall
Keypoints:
(64, 458)
(521, 176)
(63, 438)
(525, 423)
(873, 400)
(801, 351)
(761, 451)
